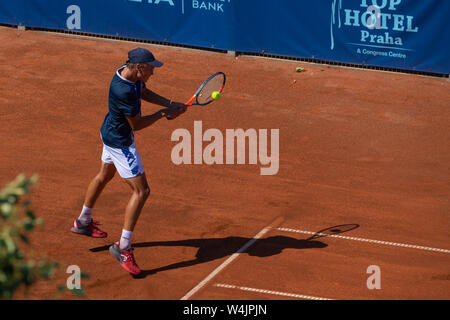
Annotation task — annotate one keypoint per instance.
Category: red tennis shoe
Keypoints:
(126, 258)
(90, 229)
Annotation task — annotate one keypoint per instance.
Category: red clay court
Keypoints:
(364, 158)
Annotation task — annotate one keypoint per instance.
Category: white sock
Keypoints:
(125, 239)
(86, 215)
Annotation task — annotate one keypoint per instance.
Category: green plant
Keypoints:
(17, 221)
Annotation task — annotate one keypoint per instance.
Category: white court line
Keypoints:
(225, 263)
(285, 294)
(412, 246)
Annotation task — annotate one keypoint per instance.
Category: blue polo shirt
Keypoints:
(124, 100)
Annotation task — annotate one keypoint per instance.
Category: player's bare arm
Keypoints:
(140, 122)
(152, 97)
(173, 109)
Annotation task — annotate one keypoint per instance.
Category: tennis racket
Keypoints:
(202, 96)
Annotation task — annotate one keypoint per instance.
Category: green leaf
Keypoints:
(62, 288)
(24, 238)
(78, 292)
(28, 225)
(6, 209)
(30, 215)
(12, 199)
(10, 245)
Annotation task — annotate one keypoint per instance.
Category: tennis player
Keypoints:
(120, 154)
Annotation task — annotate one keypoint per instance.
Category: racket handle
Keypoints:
(190, 101)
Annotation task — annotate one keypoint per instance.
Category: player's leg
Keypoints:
(84, 224)
(141, 192)
(99, 182)
(129, 165)
(122, 249)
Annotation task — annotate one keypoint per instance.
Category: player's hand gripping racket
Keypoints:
(203, 95)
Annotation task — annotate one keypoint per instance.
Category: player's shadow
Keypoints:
(217, 248)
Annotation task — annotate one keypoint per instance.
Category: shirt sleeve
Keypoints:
(129, 104)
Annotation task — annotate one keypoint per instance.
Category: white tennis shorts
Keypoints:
(127, 160)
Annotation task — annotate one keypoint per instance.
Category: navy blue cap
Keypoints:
(141, 55)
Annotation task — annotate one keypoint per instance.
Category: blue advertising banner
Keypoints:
(404, 34)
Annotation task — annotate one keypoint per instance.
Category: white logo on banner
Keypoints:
(377, 20)
(216, 6)
(154, 1)
(74, 20)
(206, 5)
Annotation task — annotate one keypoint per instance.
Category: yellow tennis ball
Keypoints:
(215, 95)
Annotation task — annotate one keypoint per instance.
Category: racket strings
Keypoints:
(214, 84)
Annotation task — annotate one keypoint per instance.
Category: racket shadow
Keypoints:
(216, 248)
(334, 230)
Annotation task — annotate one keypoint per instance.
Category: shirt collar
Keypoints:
(120, 76)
